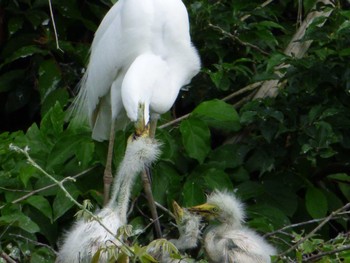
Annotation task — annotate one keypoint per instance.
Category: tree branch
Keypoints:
(68, 195)
(325, 221)
(48, 187)
(321, 255)
(237, 93)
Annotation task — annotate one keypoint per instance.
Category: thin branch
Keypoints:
(321, 255)
(14, 190)
(297, 225)
(243, 18)
(48, 187)
(7, 257)
(54, 26)
(245, 89)
(35, 242)
(325, 221)
(68, 195)
(146, 179)
(235, 38)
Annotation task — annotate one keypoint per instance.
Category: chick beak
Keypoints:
(178, 212)
(141, 128)
(205, 210)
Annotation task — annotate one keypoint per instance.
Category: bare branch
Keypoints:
(325, 221)
(237, 93)
(54, 26)
(321, 255)
(7, 257)
(35, 242)
(237, 39)
(48, 187)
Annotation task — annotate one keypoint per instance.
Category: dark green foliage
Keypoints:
(287, 158)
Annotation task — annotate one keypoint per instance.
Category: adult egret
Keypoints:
(189, 226)
(141, 53)
(87, 237)
(230, 241)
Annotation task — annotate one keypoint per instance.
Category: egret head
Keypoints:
(222, 206)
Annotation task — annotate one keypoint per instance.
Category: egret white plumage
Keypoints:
(141, 53)
(230, 241)
(87, 237)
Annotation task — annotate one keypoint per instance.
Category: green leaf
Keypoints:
(62, 203)
(10, 79)
(217, 179)
(41, 204)
(42, 255)
(218, 114)
(227, 156)
(316, 202)
(24, 52)
(85, 153)
(192, 193)
(26, 172)
(342, 177)
(63, 149)
(49, 78)
(250, 189)
(166, 183)
(52, 122)
(196, 138)
(20, 220)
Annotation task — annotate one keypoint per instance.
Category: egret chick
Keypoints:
(189, 226)
(87, 237)
(230, 241)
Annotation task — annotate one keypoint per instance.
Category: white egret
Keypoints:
(141, 53)
(229, 241)
(87, 237)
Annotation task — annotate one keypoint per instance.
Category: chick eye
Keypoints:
(215, 210)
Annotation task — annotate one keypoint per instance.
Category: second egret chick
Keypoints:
(229, 241)
(189, 226)
(87, 237)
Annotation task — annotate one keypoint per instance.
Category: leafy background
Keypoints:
(287, 157)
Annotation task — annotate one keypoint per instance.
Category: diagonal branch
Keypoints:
(325, 221)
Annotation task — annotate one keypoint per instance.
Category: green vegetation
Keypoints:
(286, 156)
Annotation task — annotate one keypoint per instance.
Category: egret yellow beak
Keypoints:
(178, 212)
(141, 128)
(206, 210)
